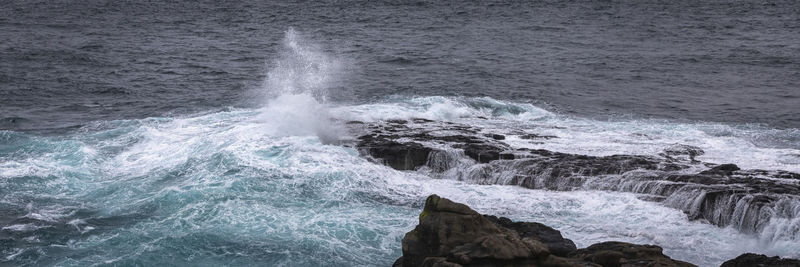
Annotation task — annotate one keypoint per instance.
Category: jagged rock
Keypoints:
(551, 238)
(758, 260)
(400, 156)
(481, 152)
(460, 235)
(724, 169)
(723, 195)
(452, 234)
(614, 253)
(496, 248)
(398, 262)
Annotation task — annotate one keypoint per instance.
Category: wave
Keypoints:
(270, 186)
(231, 187)
(214, 188)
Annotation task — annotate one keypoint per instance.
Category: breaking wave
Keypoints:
(269, 186)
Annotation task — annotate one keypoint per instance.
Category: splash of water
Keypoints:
(296, 90)
(302, 68)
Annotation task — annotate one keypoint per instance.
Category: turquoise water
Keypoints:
(226, 188)
(208, 190)
(272, 185)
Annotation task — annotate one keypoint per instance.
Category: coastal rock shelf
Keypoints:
(452, 234)
(752, 201)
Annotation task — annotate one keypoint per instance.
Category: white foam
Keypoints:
(302, 67)
(744, 145)
(296, 90)
(293, 187)
(589, 217)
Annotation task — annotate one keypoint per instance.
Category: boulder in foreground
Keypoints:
(758, 260)
(452, 234)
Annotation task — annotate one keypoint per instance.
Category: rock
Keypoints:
(398, 262)
(400, 156)
(496, 247)
(439, 262)
(757, 260)
(462, 236)
(724, 169)
(481, 152)
(723, 195)
(625, 254)
(452, 234)
(551, 238)
(496, 136)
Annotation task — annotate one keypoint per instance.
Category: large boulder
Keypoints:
(758, 260)
(451, 234)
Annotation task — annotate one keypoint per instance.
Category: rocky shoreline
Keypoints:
(452, 234)
(721, 194)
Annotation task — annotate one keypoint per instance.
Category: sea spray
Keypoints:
(302, 68)
(215, 189)
(296, 90)
(257, 187)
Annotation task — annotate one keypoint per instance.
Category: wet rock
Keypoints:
(723, 195)
(758, 260)
(481, 152)
(454, 231)
(452, 234)
(551, 238)
(626, 254)
(400, 156)
(456, 139)
(398, 262)
(496, 136)
(724, 169)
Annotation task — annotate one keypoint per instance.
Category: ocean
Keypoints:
(202, 133)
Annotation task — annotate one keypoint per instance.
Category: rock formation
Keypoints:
(758, 260)
(724, 195)
(451, 234)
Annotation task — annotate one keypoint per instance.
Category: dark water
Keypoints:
(63, 63)
(183, 133)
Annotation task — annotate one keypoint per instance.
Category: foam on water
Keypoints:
(214, 188)
(296, 88)
(749, 146)
(263, 186)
